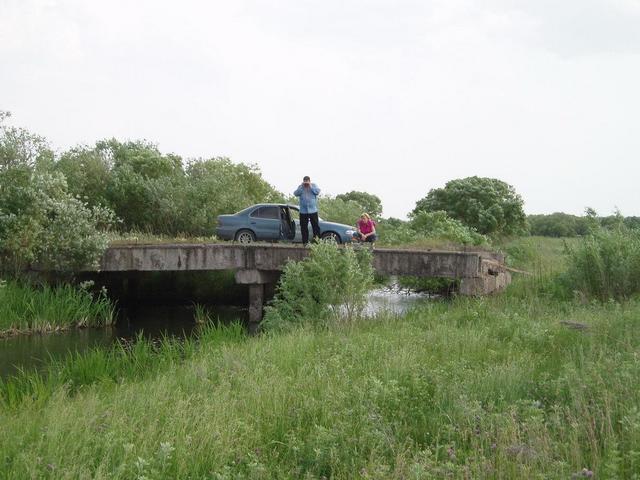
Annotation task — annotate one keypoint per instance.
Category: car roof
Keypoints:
(270, 205)
(258, 205)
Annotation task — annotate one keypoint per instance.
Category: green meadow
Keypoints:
(519, 385)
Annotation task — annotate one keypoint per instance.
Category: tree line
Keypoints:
(57, 209)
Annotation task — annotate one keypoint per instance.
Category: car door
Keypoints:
(265, 222)
(289, 227)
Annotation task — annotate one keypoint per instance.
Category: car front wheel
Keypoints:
(331, 237)
(245, 236)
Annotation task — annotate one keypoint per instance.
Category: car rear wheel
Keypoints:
(331, 237)
(245, 236)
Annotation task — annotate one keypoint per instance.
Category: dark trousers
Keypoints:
(304, 226)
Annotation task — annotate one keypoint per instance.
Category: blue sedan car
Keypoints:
(275, 222)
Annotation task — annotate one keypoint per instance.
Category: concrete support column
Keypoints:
(260, 283)
(256, 301)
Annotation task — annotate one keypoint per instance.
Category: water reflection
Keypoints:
(156, 321)
(153, 321)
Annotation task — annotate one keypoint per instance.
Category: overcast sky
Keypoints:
(390, 97)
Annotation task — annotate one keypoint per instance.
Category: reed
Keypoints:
(27, 308)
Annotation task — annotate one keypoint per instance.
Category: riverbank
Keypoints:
(28, 309)
(506, 387)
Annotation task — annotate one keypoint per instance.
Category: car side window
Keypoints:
(267, 212)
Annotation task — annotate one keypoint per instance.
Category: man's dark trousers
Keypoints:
(304, 226)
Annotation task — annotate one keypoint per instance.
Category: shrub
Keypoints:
(329, 284)
(605, 265)
(41, 223)
(440, 225)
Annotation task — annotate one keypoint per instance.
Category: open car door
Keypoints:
(288, 225)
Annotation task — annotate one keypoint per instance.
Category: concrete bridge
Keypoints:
(259, 265)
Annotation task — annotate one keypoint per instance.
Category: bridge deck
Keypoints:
(219, 256)
(259, 264)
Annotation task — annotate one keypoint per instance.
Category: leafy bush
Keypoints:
(440, 225)
(40, 222)
(329, 284)
(488, 205)
(393, 231)
(605, 265)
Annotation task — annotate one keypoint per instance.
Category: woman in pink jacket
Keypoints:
(366, 229)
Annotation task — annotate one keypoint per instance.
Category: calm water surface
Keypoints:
(37, 350)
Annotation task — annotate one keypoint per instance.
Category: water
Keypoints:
(394, 299)
(37, 350)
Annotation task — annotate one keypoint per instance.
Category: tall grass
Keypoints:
(25, 308)
(606, 265)
(475, 388)
(126, 360)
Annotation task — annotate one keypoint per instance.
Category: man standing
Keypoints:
(308, 193)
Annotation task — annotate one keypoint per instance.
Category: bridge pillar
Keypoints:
(485, 284)
(259, 281)
(256, 302)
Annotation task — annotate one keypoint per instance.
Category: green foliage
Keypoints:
(339, 210)
(393, 231)
(329, 284)
(428, 229)
(470, 388)
(440, 225)
(368, 202)
(488, 205)
(151, 192)
(564, 225)
(25, 308)
(88, 172)
(605, 265)
(217, 186)
(558, 225)
(20, 148)
(40, 221)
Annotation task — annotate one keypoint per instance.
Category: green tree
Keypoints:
(40, 221)
(88, 172)
(146, 188)
(370, 204)
(217, 186)
(488, 205)
(20, 148)
(335, 209)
